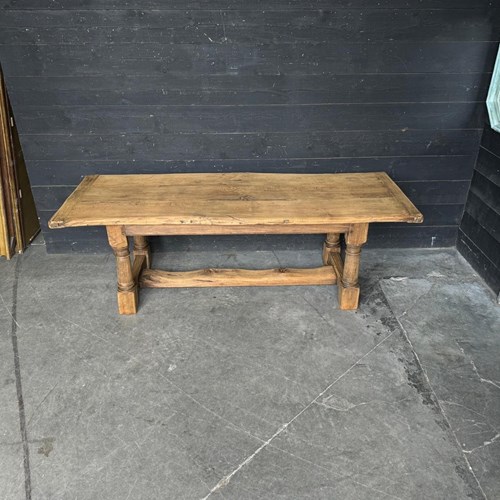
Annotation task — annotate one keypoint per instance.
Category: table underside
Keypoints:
(337, 269)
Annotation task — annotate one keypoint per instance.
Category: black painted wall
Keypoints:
(119, 86)
(479, 234)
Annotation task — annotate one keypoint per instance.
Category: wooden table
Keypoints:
(237, 203)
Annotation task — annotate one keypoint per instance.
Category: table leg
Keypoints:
(348, 287)
(127, 288)
(141, 247)
(331, 245)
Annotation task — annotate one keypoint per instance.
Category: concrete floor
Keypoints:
(249, 393)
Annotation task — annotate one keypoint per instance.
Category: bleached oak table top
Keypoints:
(232, 200)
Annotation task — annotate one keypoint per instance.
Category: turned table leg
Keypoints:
(348, 286)
(331, 245)
(141, 247)
(127, 288)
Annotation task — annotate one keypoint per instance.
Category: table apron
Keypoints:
(201, 229)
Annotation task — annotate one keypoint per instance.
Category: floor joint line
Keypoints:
(443, 413)
(19, 387)
(226, 479)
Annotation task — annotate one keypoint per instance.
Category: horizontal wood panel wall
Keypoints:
(479, 233)
(120, 86)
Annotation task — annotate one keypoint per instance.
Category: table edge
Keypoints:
(57, 221)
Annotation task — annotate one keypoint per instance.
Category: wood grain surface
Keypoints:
(232, 200)
(152, 278)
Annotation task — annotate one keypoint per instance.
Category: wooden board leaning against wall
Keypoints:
(18, 217)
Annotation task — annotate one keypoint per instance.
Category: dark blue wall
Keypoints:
(118, 86)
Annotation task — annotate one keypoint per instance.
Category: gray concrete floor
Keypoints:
(249, 393)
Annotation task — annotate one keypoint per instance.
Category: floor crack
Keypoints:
(475, 370)
(438, 402)
(19, 388)
(486, 443)
(226, 479)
